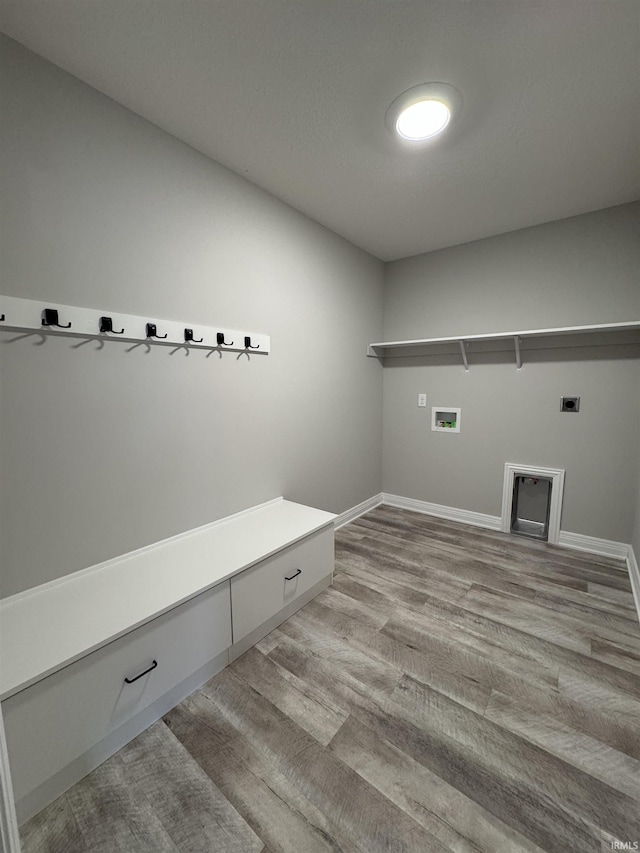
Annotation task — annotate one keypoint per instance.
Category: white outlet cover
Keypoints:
(422, 400)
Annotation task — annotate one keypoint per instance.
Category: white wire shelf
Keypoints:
(385, 349)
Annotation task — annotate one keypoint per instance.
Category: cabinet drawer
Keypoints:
(260, 592)
(53, 722)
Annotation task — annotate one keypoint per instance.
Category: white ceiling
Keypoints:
(292, 94)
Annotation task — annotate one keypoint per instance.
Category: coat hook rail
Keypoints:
(106, 325)
(152, 331)
(28, 315)
(50, 318)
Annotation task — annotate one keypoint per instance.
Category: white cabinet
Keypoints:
(275, 584)
(69, 645)
(59, 718)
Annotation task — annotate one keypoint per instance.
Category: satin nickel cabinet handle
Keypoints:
(294, 575)
(131, 680)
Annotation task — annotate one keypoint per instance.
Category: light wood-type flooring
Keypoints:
(454, 690)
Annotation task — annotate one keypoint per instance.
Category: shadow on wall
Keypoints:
(40, 338)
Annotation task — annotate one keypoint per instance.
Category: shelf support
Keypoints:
(516, 341)
(464, 355)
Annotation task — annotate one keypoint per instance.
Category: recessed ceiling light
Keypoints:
(424, 111)
(423, 119)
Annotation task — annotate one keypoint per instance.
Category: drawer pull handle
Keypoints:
(294, 575)
(131, 680)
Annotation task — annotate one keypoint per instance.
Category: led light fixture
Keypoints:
(424, 111)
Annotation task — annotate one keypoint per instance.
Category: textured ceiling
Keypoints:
(291, 94)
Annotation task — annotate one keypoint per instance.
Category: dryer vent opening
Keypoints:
(531, 506)
(532, 501)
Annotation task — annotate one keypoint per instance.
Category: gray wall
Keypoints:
(577, 271)
(105, 450)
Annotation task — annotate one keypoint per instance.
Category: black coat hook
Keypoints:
(248, 344)
(2, 318)
(152, 331)
(106, 325)
(221, 341)
(51, 319)
(188, 336)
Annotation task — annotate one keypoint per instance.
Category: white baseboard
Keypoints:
(465, 516)
(356, 511)
(634, 577)
(577, 541)
(603, 547)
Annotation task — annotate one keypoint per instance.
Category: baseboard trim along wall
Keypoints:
(356, 511)
(603, 547)
(576, 541)
(634, 577)
(465, 516)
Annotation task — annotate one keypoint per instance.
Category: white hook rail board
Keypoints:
(26, 315)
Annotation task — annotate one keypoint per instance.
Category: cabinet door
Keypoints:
(260, 592)
(57, 719)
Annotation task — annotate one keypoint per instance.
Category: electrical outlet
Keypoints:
(569, 404)
(422, 400)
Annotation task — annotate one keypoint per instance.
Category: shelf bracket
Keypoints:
(516, 341)
(464, 355)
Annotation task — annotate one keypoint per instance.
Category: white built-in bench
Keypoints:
(90, 660)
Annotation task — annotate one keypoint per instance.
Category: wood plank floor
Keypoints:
(455, 690)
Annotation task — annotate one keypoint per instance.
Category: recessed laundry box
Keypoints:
(446, 419)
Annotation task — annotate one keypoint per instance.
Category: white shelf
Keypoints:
(382, 349)
(48, 627)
